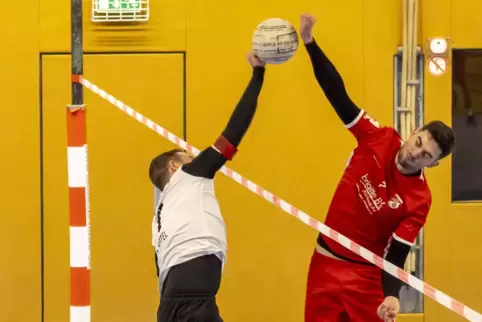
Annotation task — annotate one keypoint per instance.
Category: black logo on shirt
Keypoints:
(162, 236)
(158, 215)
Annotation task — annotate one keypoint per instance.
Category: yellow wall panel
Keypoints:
(381, 37)
(165, 30)
(410, 318)
(435, 18)
(124, 282)
(20, 275)
(466, 23)
(452, 253)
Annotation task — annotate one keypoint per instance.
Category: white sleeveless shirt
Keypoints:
(188, 223)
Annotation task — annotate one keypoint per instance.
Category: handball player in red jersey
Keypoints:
(381, 203)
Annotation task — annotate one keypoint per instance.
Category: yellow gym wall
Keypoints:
(293, 134)
(20, 276)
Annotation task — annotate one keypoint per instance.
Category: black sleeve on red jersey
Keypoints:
(209, 161)
(332, 84)
(397, 255)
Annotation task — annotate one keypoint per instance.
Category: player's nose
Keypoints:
(417, 153)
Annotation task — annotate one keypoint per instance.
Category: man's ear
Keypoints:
(172, 165)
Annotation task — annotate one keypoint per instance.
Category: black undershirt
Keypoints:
(333, 86)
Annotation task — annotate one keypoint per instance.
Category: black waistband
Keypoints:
(197, 278)
(187, 297)
(325, 246)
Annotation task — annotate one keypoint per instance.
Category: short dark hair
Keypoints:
(443, 135)
(158, 169)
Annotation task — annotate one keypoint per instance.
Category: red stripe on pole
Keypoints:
(76, 78)
(76, 133)
(77, 207)
(79, 286)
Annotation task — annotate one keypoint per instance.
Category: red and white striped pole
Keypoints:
(78, 179)
(79, 214)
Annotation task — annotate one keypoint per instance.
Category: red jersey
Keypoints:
(374, 201)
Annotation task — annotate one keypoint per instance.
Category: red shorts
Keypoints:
(340, 291)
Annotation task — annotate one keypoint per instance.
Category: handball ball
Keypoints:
(275, 41)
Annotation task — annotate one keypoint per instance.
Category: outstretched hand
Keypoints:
(307, 22)
(254, 61)
(389, 309)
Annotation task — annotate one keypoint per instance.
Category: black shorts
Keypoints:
(189, 292)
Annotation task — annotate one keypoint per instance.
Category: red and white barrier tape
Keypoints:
(414, 282)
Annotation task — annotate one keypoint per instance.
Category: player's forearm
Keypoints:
(397, 255)
(244, 112)
(331, 83)
(209, 161)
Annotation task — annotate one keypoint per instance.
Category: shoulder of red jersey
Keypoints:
(364, 126)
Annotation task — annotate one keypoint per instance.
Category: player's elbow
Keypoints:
(397, 253)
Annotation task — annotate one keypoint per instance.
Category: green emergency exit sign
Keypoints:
(118, 5)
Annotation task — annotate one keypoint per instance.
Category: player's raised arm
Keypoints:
(209, 161)
(326, 74)
(330, 81)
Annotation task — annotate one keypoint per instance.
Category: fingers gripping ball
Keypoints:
(275, 41)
